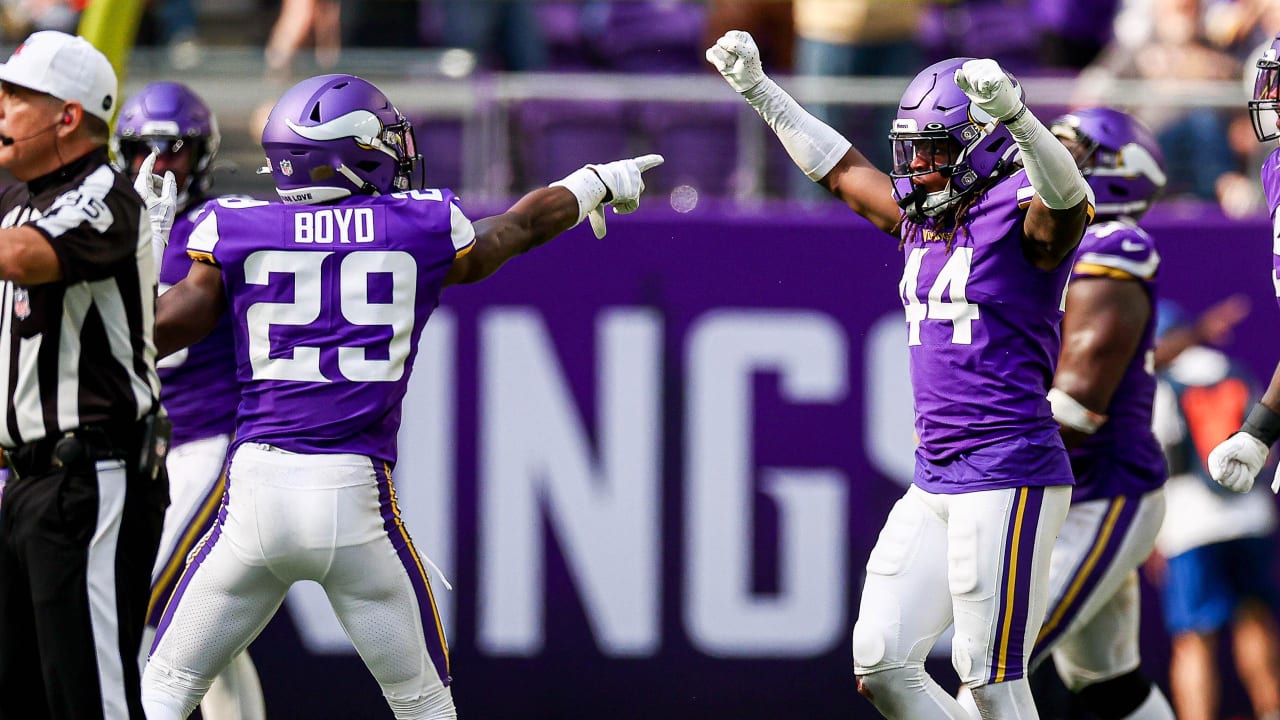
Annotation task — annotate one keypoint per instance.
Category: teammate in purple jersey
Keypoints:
(1102, 398)
(198, 385)
(988, 250)
(1237, 460)
(328, 294)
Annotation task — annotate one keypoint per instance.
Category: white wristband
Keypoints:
(814, 146)
(587, 187)
(1050, 167)
(1069, 412)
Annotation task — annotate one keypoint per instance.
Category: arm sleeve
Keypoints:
(1050, 167)
(814, 146)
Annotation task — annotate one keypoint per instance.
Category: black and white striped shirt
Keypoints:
(79, 351)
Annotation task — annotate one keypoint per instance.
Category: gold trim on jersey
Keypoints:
(204, 257)
(1104, 271)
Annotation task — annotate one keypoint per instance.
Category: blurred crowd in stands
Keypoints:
(1211, 151)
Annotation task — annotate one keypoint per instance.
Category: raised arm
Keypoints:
(816, 148)
(1063, 203)
(1101, 332)
(545, 213)
(188, 311)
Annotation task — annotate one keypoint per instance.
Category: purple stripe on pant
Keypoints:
(409, 557)
(1106, 556)
(203, 552)
(1008, 660)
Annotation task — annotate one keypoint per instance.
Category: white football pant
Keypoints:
(977, 560)
(289, 517)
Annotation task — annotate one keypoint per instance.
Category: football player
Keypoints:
(988, 247)
(1102, 398)
(1237, 460)
(327, 295)
(198, 385)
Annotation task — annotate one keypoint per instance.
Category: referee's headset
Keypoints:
(66, 119)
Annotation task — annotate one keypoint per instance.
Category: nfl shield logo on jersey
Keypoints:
(286, 167)
(21, 303)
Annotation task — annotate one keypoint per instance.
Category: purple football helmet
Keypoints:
(165, 117)
(936, 122)
(334, 135)
(1118, 155)
(1266, 93)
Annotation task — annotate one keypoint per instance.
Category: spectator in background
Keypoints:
(1072, 34)
(855, 37)
(178, 31)
(1213, 554)
(770, 22)
(505, 35)
(298, 21)
(23, 17)
(1161, 42)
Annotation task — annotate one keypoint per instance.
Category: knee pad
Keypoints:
(1118, 697)
(868, 645)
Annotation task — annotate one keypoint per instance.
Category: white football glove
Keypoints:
(1236, 461)
(990, 88)
(160, 196)
(621, 181)
(737, 58)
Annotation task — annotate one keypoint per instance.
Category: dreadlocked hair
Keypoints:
(957, 218)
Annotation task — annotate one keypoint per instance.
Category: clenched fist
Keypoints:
(1236, 461)
(737, 58)
(990, 88)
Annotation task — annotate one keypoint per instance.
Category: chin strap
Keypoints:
(363, 185)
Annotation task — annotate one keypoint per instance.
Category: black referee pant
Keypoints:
(77, 544)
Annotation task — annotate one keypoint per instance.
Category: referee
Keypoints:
(83, 507)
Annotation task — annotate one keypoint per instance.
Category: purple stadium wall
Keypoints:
(653, 467)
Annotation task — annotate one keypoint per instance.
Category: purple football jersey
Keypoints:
(983, 328)
(1271, 186)
(1123, 457)
(327, 303)
(198, 384)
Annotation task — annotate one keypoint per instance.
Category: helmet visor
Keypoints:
(920, 154)
(134, 150)
(1266, 100)
(1266, 86)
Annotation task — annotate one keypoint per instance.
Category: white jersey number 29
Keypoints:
(353, 297)
(947, 299)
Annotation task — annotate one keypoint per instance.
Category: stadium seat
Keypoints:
(561, 24)
(441, 143)
(699, 142)
(648, 36)
(552, 138)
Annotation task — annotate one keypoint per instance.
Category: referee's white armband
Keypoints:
(1070, 413)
